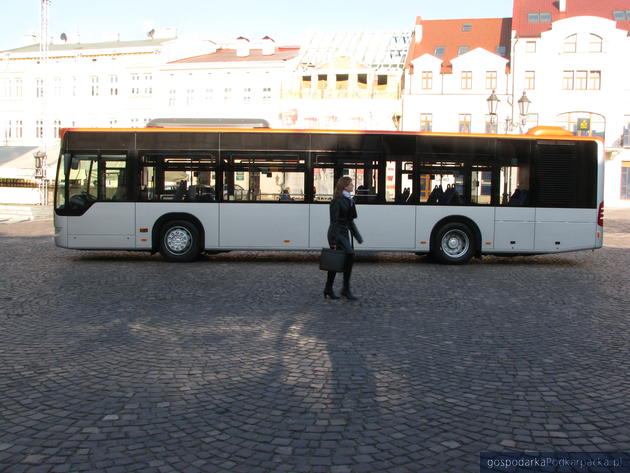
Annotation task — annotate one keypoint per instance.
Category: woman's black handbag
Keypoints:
(332, 260)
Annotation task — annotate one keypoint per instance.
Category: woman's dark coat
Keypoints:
(343, 211)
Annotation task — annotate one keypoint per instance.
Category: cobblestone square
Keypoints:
(122, 362)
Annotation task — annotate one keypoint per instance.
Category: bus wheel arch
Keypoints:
(466, 237)
(180, 227)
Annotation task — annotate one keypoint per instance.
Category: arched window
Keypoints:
(570, 44)
(594, 43)
(583, 123)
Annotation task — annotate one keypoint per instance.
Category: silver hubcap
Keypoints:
(178, 240)
(455, 243)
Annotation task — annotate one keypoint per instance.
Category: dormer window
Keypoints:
(467, 27)
(544, 17)
(533, 17)
(462, 50)
(439, 51)
(619, 15)
(501, 50)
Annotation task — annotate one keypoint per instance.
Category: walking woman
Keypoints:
(343, 211)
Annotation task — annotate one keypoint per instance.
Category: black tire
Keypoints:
(454, 243)
(179, 241)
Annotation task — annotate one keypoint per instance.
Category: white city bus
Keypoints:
(183, 191)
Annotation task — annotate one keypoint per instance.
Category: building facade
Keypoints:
(347, 81)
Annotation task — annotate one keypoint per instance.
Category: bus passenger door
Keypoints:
(100, 191)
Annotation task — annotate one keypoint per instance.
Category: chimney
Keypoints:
(242, 47)
(562, 5)
(417, 30)
(268, 46)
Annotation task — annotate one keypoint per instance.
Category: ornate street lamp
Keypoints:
(523, 107)
(493, 103)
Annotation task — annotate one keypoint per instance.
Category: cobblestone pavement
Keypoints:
(121, 362)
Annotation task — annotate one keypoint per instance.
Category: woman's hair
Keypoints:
(342, 183)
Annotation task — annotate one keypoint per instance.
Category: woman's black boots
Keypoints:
(328, 290)
(347, 272)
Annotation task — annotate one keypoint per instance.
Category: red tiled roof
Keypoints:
(601, 8)
(229, 55)
(486, 33)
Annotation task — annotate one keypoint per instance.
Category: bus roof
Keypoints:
(556, 133)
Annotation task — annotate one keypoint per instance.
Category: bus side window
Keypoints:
(514, 176)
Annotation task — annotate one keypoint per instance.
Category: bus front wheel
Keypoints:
(454, 243)
(179, 241)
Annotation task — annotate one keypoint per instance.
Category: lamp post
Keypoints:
(523, 110)
(523, 107)
(493, 103)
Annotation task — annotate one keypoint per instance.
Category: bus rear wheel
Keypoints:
(454, 243)
(179, 241)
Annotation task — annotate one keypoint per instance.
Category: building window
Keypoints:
(135, 84)
(322, 81)
(19, 128)
(626, 132)
(190, 95)
(427, 80)
(341, 81)
(39, 129)
(530, 80)
(583, 123)
(544, 17)
(619, 15)
(148, 84)
(501, 50)
(18, 87)
(8, 130)
(247, 95)
(381, 79)
(466, 27)
(306, 82)
(57, 128)
(465, 122)
(94, 85)
(362, 81)
(581, 80)
(39, 88)
(209, 95)
(530, 47)
(266, 94)
(113, 85)
(439, 51)
(466, 80)
(567, 80)
(570, 44)
(491, 124)
(462, 50)
(426, 122)
(595, 43)
(491, 80)
(172, 94)
(595, 80)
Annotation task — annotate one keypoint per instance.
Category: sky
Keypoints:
(286, 21)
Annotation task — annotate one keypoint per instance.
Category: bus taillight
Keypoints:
(600, 215)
